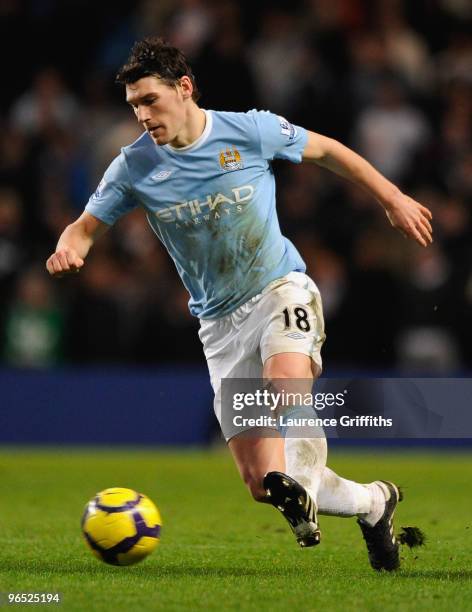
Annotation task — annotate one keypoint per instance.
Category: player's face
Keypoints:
(160, 108)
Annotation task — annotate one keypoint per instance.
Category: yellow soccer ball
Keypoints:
(121, 526)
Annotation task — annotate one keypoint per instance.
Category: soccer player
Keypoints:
(206, 183)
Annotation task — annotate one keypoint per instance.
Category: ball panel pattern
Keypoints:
(117, 499)
(123, 533)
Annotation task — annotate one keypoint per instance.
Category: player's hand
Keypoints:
(64, 261)
(410, 218)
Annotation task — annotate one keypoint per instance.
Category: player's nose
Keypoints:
(143, 114)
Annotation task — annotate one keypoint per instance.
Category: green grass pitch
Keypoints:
(219, 549)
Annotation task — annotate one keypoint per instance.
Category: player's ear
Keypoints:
(186, 87)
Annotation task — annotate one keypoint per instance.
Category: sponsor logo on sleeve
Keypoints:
(99, 191)
(286, 128)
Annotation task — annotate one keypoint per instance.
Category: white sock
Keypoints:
(305, 451)
(341, 497)
(305, 460)
(380, 494)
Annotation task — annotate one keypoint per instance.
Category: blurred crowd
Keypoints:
(390, 78)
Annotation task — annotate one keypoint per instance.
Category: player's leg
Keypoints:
(261, 461)
(298, 303)
(305, 448)
(295, 323)
(294, 491)
(305, 457)
(338, 496)
(292, 331)
(231, 346)
(233, 351)
(374, 504)
(256, 453)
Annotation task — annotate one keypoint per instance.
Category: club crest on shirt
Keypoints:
(230, 159)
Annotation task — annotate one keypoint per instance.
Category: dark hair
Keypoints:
(155, 57)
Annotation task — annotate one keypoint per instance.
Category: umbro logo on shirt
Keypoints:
(162, 175)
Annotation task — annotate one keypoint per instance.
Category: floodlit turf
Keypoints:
(220, 550)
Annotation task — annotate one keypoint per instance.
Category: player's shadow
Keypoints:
(185, 571)
(164, 571)
(450, 575)
(35, 568)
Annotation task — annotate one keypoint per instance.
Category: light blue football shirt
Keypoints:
(212, 204)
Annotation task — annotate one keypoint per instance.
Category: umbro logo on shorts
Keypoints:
(295, 336)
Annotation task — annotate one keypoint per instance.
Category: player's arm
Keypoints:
(74, 245)
(411, 218)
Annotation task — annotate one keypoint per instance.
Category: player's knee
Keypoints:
(288, 366)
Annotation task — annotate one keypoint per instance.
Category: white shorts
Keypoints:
(286, 317)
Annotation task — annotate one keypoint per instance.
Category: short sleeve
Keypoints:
(279, 138)
(113, 196)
